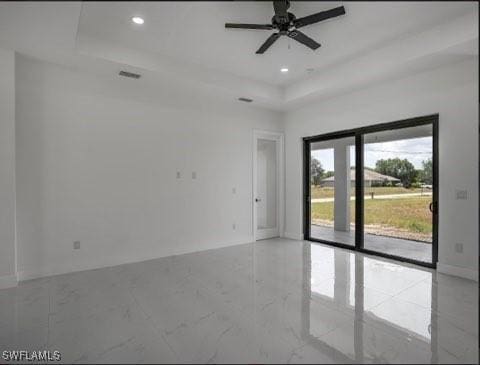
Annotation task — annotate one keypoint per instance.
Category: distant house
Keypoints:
(371, 177)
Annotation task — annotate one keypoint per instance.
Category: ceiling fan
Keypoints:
(287, 24)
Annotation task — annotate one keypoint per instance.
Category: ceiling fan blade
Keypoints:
(302, 38)
(268, 43)
(280, 7)
(248, 26)
(318, 17)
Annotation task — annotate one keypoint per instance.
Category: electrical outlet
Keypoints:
(76, 245)
(458, 247)
(460, 194)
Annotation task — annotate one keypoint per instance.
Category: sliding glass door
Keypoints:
(374, 189)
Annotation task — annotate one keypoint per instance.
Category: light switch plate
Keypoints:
(76, 245)
(179, 175)
(194, 175)
(460, 194)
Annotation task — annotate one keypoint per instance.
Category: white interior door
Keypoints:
(267, 168)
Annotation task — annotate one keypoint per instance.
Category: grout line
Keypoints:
(150, 324)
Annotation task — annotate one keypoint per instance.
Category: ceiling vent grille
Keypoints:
(129, 74)
(246, 100)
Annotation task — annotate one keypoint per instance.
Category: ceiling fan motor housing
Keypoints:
(283, 24)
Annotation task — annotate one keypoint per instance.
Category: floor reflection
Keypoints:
(381, 321)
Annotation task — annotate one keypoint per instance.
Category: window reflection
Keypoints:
(398, 315)
(356, 286)
(351, 282)
(322, 270)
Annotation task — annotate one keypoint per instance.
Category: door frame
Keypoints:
(359, 191)
(278, 137)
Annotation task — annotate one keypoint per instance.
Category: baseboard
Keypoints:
(8, 281)
(65, 269)
(457, 271)
(293, 236)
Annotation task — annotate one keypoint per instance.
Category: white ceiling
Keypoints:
(195, 32)
(188, 39)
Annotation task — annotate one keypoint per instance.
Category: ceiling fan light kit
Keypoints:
(287, 24)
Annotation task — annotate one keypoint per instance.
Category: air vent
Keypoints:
(246, 100)
(129, 74)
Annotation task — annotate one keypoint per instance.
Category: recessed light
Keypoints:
(138, 20)
(284, 69)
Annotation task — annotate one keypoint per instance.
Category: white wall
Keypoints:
(97, 159)
(450, 91)
(7, 169)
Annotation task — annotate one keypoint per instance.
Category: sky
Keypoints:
(414, 150)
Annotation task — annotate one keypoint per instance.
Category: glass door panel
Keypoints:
(398, 190)
(332, 190)
(266, 188)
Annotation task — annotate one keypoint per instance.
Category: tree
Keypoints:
(401, 169)
(316, 171)
(328, 174)
(426, 175)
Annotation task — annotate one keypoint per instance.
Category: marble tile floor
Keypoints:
(273, 301)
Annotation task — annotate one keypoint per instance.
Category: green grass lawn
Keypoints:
(319, 192)
(411, 214)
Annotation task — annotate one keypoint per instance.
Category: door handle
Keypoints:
(431, 207)
(257, 200)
